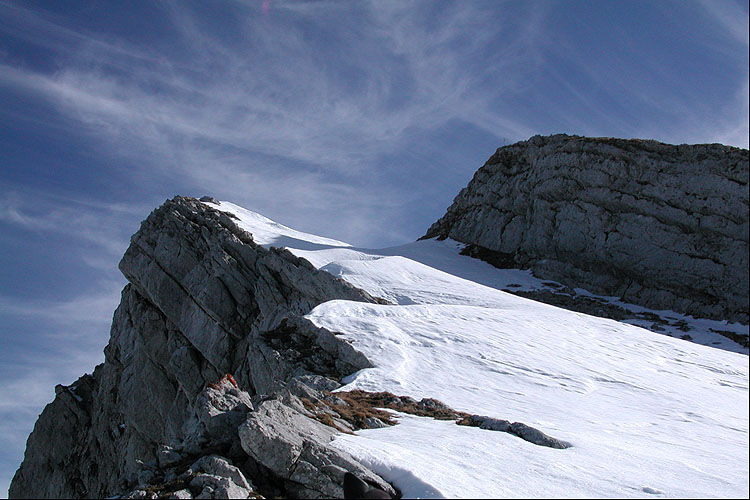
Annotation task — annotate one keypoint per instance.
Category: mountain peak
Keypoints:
(662, 226)
(236, 368)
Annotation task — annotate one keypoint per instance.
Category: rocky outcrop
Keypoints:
(205, 346)
(280, 436)
(525, 432)
(658, 225)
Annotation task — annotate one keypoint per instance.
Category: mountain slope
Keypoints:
(644, 412)
(222, 347)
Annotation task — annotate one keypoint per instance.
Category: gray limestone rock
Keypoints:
(217, 412)
(276, 434)
(216, 486)
(220, 466)
(525, 432)
(189, 346)
(167, 457)
(137, 494)
(311, 386)
(536, 436)
(658, 225)
(295, 447)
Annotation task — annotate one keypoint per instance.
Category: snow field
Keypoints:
(648, 415)
(642, 410)
(269, 233)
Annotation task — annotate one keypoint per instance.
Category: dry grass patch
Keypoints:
(365, 410)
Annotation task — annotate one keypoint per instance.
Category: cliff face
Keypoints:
(209, 330)
(658, 225)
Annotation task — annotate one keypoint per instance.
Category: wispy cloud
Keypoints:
(282, 103)
(93, 309)
(27, 382)
(106, 225)
(732, 19)
(244, 93)
(269, 101)
(731, 16)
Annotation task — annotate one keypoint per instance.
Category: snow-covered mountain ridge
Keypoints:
(612, 389)
(241, 346)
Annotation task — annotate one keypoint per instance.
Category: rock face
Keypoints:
(658, 225)
(207, 337)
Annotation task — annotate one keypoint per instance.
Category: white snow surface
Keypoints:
(648, 415)
(269, 233)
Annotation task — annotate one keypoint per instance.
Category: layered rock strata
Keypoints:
(658, 225)
(195, 397)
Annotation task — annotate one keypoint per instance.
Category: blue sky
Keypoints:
(355, 120)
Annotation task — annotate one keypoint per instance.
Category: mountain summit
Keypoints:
(239, 369)
(658, 225)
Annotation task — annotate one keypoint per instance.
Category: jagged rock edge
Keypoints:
(156, 311)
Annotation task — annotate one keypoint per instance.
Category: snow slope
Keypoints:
(647, 414)
(269, 233)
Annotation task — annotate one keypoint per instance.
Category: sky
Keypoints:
(359, 121)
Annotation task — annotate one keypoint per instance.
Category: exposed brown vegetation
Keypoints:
(364, 410)
(427, 407)
(323, 414)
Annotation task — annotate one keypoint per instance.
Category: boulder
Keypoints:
(295, 448)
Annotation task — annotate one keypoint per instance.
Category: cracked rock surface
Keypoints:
(208, 333)
(658, 225)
